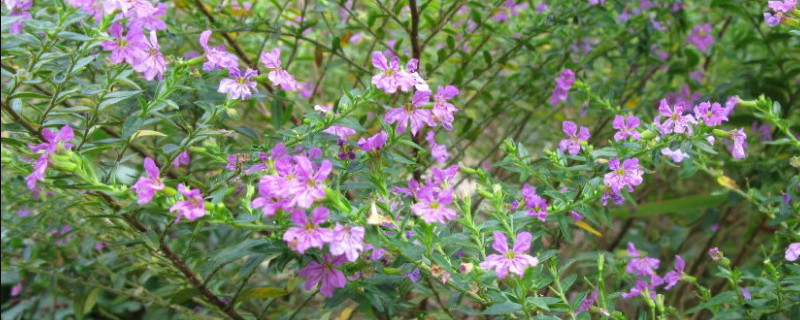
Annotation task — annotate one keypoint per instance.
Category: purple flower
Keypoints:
(217, 57)
(515, 260)
(348, 241)
(146, 188)
(432, 205)
(193, 208)
(596, 2)
(627, 127)
(16, 290)
(278, 76)
(341, 131)
(784, 6)
(639, 287)
(641, 265)
(310, 185)
(573, 144)
(128, 48)
(672, 277)
(628, 174)
(792, 251)
(587, 302)
(746, 294)
(575, 216)
(307, 233)
(52, 141)
(715, 254)
(411, 114)
(563, 85)
(676, 155)
(438, 151)
(239, 84)
(676, 121)
(151, 63)
(739, 143)
(701, 37)
(413, 275)
(306, 89)
(511, 9)
(181, 159)
(537, 206)
(373, 143)
(22, 213)
(326, 273)
(773, 20)
(764, 131)
(411, 191)
(443, 111)
(18, 8)
(154, 21)
(100, 246)
(711, 114)
(375, 253)
(392, 76)
(269, 199)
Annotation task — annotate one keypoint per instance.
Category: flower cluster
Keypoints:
(53, 141)
(563, 85)
(641, 265)
(781, 11)
(136, 47)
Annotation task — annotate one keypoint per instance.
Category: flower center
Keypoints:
(511, 255)
(434, 205)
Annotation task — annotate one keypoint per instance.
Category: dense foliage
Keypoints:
(394, 159)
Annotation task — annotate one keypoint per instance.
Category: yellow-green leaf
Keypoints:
(145, 133)
(587, 227)
(264, 293)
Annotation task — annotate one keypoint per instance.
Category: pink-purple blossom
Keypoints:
(623, 174)
(239, 83)
(341, 131)
(151, 62)
(443, 111)
(278, 76)
(347, 241)
(193, 208)
(627, 127)
(374, 142)
(182, 159)
(640, 264)
(412, 113)
(216, 57)
(146, 187)
(438, 151)
(128, 48)
(510, 9)
(671, 278)
(433, 206)
(392, 76)
(310, 184)
(739, 146)
(515, 260)
(535, 204)
(325, 273)
(53, 140)
(307, 234)
(792, 252)
(675, 120)
(701, 37)
(563, 85)
(587, 302)
(712, 114)
(18, 8)
(676, 155)
(572, 145)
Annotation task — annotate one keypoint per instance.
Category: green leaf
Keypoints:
(503, 308)
(681, 206)
(146, 133)
(264, 293)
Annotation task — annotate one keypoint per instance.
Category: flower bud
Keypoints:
(648, 134)
(194, 61)
(721, 133)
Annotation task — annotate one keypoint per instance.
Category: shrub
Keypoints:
(400, 159)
